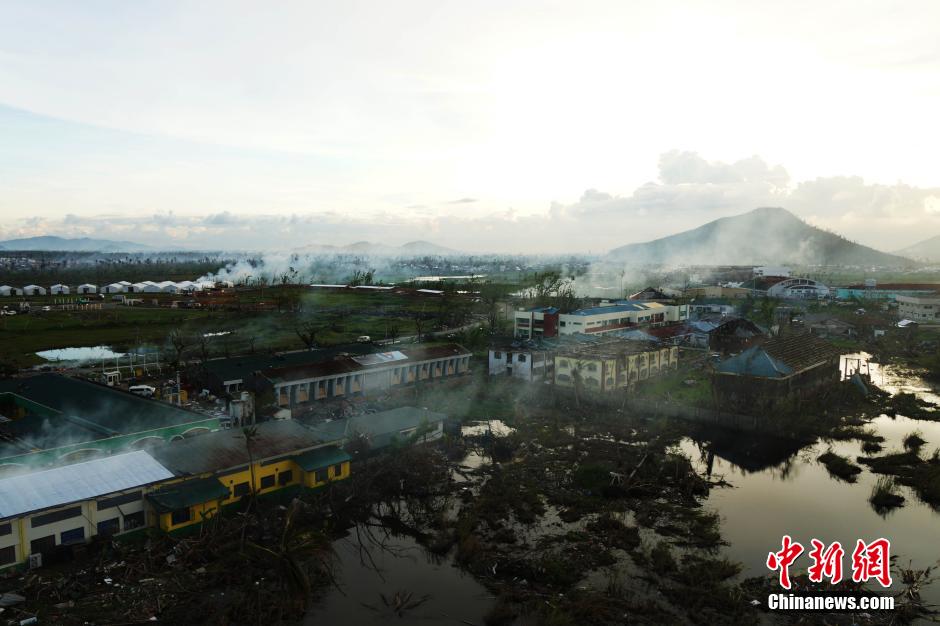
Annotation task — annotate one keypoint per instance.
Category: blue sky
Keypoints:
(372, 119)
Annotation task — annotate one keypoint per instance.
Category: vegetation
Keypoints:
(840, 466)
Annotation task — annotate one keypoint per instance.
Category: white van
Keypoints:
(142, 390)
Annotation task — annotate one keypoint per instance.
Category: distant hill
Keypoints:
(926, 250)
(412, 248)
(82, 244)
(765, 235)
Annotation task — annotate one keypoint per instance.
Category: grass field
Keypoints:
(338, 317)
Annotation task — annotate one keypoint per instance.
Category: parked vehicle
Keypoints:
(142, 390)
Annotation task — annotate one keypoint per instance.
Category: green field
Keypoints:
(333, 317)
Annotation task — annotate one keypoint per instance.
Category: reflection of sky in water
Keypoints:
(88, 353)
(455, 597)
(798, 497)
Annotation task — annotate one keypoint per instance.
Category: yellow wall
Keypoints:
(331, 476)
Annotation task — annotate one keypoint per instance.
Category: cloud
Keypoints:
(463, 201)
(690, 191)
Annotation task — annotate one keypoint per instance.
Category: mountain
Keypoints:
(82, 244)
(765, 235)
(926, 250)
(410, 249)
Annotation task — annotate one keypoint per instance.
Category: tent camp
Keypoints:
(86, 288)
(34, 290)
(59, 290)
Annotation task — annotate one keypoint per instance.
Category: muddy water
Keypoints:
(444, 594)
(777, 491)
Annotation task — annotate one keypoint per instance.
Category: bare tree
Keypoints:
(307, 332)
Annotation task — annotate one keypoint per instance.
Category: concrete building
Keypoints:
(536, 322)
(717, 292)
(43, 513)
(922, 310)
(871, 290)
(612, 366)
(216, 470)
(345, 375)
(604, 318)
(528, 362)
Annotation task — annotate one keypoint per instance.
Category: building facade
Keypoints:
(919, 309)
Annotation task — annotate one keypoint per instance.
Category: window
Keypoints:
(76, 535)
(592, 367)
(521, 358)
(7, 555)
(241, 489)
(338, 469)
(497, 355)
(55, 516)
(126, 498)
(134, 520)
(267, 481)
(563, 363)
(109, 527)
(319, 476)
(6, 529)
(180, 516)
(285, 477)
(42, 545)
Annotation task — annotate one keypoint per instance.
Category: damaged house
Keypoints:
(776, 372)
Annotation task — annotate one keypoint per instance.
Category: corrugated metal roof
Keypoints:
(82, 481)
(187, 493)
(225, 449)
(321, 457)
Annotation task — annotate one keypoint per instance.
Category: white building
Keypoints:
(521, 362)
(772, 270)
(137, 288)
(798, 288)
(919, 309)
(5, 290)
(59, 290)
(40, 511)
(607, 317)
(114, 288)
(86, 288)
(168, 286)
(34, 290)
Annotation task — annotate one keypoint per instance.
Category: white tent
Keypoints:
(168, 286)
(34, 290)
(87, 288)
(113, 288)
(137, 287)
(150, 288)
(187, 285)
(5, 290)
(59, 290)
(125, 283)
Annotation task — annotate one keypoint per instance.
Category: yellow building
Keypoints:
(219, 469)
(614, 365)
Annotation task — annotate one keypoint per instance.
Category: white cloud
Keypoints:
(690, 192)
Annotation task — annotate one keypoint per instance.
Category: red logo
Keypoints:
(869, 561)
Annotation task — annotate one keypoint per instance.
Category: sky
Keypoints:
(502, 126)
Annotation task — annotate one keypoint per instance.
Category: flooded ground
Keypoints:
(405, 574)
(79, 355)
(776, 491)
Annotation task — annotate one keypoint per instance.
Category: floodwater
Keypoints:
(445, 594)
(79, 355)
(779, 490)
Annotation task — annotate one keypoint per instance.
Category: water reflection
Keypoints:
(385, 577)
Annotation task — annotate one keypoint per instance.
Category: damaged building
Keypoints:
(606, 317)
(776, 372)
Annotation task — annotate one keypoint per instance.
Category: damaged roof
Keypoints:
(780, 357)
(346, 363)
(225, 449)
